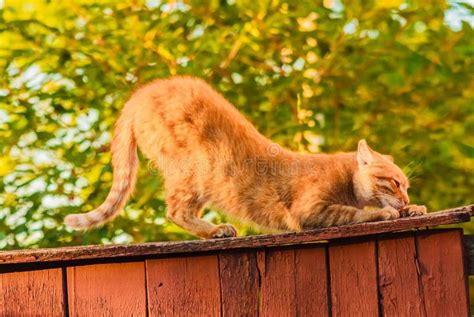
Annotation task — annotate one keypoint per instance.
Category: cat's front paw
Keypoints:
(224, 230)
(413, 210)
(388, 213)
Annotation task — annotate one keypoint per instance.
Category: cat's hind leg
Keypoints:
(184, 209)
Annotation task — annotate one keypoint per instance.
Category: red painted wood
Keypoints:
(294, 282)
(278, 292)
(184, 286)
(33, 293)
(399, 285)
(239, 279)
(311, 282)
(107, 290)
(443, 274)
(353, 279)
(419, 274)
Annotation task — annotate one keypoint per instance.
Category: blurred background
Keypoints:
(311, 75)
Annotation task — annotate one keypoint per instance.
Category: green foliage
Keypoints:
(313, 76)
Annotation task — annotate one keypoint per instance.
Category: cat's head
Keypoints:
(378, 181)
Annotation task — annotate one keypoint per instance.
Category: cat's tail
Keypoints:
(125, 167)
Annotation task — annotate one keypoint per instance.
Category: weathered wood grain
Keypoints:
(278, 290)
(399, 286)
(443, 275)
(239, 279)
(311, 281)
(294, 282)
(186, 286)
(33, 293)
(469, 252)
(107, 290)
(353, 274)
(456, 215)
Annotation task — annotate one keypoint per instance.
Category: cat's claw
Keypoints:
(224, 230)
(413, 210)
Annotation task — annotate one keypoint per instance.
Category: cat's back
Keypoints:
(183, 114)
(185, 100)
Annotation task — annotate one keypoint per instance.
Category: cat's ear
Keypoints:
(388, 157)
(364, 154)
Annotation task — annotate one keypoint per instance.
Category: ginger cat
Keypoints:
(209, 153)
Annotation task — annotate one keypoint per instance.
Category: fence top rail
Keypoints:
(448, 216)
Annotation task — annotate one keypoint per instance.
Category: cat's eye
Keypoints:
(396, 183)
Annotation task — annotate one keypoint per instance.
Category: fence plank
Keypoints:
(278, 290)
(33, 293)
(294, 282)
(183, 286)
(311, 282)
(353, 279)
(107, 289)
(399, 285)
(239, 283)
(443, 274)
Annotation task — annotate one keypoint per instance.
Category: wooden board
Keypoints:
(443, 274)
(116, 289)
(294, 282)
(353, 279)
(399, 283)
(239, 278)
(278, 286)
(33, 293)
(311, 281)
(456, 215)
(186, 286)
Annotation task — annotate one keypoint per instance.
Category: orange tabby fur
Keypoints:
(209, 153)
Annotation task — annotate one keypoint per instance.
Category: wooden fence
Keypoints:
(368, 269)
